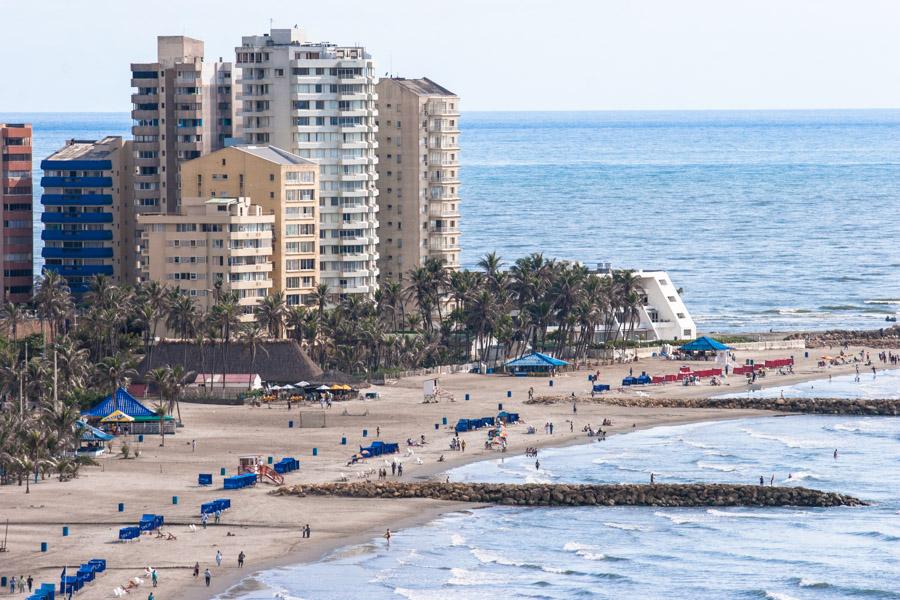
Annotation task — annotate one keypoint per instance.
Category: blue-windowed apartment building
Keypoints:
(83, 183)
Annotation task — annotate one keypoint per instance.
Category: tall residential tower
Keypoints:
(317, 100)
(181, 109)
(418, 175)
(16, 237)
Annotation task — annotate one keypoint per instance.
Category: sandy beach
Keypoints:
(267, 528)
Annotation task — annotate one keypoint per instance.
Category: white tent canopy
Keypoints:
(302, 384)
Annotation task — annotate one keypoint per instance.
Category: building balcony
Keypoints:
(61, 235)
(72, 182)
(445, 230)
(441, 209)
(80, 271)
(77, 252)
(77, 200)
(75, 218)
(144, 130)
(257, 268)
(139, 115)
(144, 98)
(250, 285)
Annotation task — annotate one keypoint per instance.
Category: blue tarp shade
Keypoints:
(536, 360)
(123, 401)
(705, 344)
(601, 387)
(209, 508)
(239, 481)
(129, 533)
(286, 465)
(379, 448)
(472, 424)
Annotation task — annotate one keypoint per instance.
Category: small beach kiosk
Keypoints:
(534, 364)
(707, 346)
(92, 441)
(122, 413)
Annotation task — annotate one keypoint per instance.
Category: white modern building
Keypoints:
(317, 100)
(663, 314)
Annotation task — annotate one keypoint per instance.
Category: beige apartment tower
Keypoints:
(181, 109)
(285, 186)
(226, 241)
(418, 175)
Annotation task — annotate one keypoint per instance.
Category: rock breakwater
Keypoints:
(888, 337)
(817, 406)
(555, 494)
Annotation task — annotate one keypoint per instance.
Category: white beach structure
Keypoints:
(663, 314)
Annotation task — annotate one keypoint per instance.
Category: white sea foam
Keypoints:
(677, 520)
(804, 582)
(801, 475)
(460, 576)
(788, 441)
(778, 596)
(742, 515)
(421, 594)
(457, 540)
(486, 556)
(716, 466)
(625, 527)
(575, 547)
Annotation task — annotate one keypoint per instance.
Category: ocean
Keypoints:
(654, 553)
(766, 219)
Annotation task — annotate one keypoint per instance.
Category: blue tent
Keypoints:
(534, 363)
(705, 344)
(123, 401)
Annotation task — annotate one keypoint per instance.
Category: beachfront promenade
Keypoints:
(267, 527)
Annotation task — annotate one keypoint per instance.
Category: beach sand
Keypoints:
(267, 528)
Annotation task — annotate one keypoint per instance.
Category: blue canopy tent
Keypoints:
(145, 420)
(93, 440)
(534, 363)
(705, 344)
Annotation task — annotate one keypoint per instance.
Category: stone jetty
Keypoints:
(556, 494)
(818, 406)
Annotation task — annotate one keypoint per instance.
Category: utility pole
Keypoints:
(55, 379)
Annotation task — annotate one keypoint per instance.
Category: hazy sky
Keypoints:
(74, 55)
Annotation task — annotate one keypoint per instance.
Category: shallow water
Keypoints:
(884, 385)
(784, 219)
(779, 553)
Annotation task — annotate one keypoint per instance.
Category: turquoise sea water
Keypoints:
(651, 553)
(766, 219)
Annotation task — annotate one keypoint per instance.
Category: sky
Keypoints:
(65, 55)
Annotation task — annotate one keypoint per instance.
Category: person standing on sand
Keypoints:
(218, 558)
(394, 468)
(378, 431)
(400, 470)
(652, 478)
(154, 577)
(772, 480)
(241, 557)
(193, 445)
(308, 531)
(196, 569)
(462, 444)
(30, 582)
(207, 576)
(12, 585)
(151, 596)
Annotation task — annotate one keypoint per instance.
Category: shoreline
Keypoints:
(426, 515)
(267, 528)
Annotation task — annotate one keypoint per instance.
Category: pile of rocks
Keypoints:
(888, 337)
(554, 494)
(817, 406)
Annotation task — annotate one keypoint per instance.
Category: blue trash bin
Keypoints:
(343, 441)
(509, 393)
(551, 383)
(315, 451)
(121, 507)
(43, 546)
(365, 433)
(467, 396)
(174, 499)
(65, 531)
(499, 406)
(290, 424)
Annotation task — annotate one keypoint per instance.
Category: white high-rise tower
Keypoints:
(317, 100)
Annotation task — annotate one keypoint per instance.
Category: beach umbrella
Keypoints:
(117, 416)
(287, 386)
(302, 384)
(323, 388)
(275, 388)
(337, 387)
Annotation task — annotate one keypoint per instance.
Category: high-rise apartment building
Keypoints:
(317, 100)
(211, 239)
(85, 184)
(16, 237)
(283, 185)
(182, 108)
(418, 175)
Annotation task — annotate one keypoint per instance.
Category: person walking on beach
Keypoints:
(378, 431)
(400, 470)
(835, 454)
(12, 585)
(196, 569)
(193, 445)
(154, 577)
(306, 531)
(30, 582)
(652, 478)
(531, 393)
(772, 480)
(203, 519)
(462, 445)
(207, 576)
(537, 465)
(241, 557)
(151, 596)
(21, 584)
(551, 427)
(218, 558)
(393, 468)
(387, 536)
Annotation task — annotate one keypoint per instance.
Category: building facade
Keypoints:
(182, 108)
(418, 175)
(317, 100)
(219, 240)
(84, 186)
(16, 186)
(285, 186)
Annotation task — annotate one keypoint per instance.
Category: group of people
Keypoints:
(548, 427)
(599, 433)
(20, 584)
(457, 443)
(396, 470)
(531, 452)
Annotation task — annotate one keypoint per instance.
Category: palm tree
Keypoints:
(271, 312)
(11, 316)
(161, 410)
(114, 372)
(53, 300)
(227, 317)
(252, 335)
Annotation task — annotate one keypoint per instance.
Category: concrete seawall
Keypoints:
(818, 406)
(548, 494)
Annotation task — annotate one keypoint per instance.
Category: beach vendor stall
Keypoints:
(121, 413)
(92, 441)
(533, 364)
